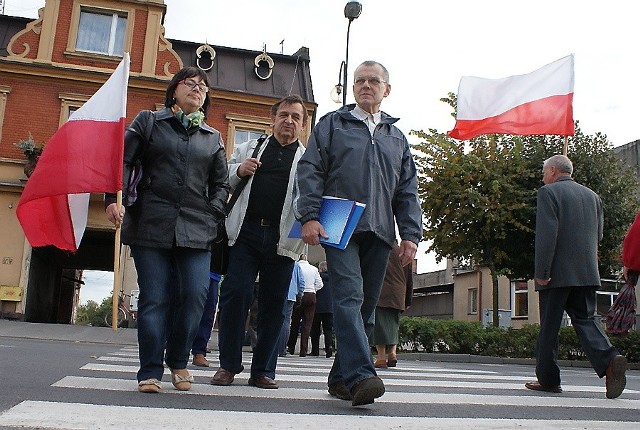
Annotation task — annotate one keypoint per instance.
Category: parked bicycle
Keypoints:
(127, 313)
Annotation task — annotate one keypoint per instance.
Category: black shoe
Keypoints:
(340, 391)
(365, 391)
(329, 353)
(315, 353)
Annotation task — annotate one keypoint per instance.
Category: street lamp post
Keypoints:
(352, 10)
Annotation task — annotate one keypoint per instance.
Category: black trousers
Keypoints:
(324, 320)
(579, 303)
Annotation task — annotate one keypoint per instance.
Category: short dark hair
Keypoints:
(290, 100)
(184, 73)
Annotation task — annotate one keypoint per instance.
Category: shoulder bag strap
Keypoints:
(243, 181)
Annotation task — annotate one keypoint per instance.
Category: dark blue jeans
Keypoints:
(356, 276)
(173, 288)
(254, 251)
(206, 322)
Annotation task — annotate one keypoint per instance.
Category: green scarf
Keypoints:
(194, 119)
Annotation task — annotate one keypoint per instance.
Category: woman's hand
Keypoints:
(113, 215)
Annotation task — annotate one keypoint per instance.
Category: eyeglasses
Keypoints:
(374, 81)
(195, 86)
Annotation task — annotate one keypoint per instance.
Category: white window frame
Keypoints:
(472, 298)
(524, 292)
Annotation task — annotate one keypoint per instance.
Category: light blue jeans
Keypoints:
(356, 275)
(173, 289)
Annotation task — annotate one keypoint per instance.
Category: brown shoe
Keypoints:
(539, 387)
(365, 391)
(380, 364)
(263, 381)
(222, 377)
(339, 390)
(615, 376)
(200, 360)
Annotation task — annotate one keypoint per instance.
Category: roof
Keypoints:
(234, 70)
(10, 25)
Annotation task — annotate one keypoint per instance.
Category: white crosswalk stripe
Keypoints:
(412, 389)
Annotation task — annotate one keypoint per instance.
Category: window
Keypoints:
(519, 299)
(70, 103)
(4, 92)
(101, 32)
(473, 301)
(243, 128)
(241, 136)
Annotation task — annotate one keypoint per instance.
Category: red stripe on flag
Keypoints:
(550, 115)
(83, 156)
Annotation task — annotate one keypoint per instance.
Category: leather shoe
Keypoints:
(615, 376)
(222, 377)
(263, 381)
(200, 360)
(539, 387)
(380, 364)
(365, 391)
(339, 390)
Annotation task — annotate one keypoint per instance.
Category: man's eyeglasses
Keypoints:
(195, 86)
(374, 81)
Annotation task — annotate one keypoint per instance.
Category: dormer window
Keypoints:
(101, 32)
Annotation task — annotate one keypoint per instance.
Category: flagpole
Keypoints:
(565, 146)
(116, 269)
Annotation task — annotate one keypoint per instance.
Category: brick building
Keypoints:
(51, 65)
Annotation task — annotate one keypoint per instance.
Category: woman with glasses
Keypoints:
(175, 166)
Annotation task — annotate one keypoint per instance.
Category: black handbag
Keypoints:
(220, 249)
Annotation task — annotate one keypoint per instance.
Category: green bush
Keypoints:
(462, 337)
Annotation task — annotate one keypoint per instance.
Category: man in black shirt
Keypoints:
(258, 228)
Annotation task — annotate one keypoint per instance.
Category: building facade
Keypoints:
(51, 65)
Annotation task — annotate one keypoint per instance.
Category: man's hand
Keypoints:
(113, 215)
(248, 167)
(543, 282)
(311, 232)
(407, 252)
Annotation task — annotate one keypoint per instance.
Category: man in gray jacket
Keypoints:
(358, 154)
(569, 222)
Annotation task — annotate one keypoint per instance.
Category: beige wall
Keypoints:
(464, 281)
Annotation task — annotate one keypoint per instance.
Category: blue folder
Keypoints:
(339, 218)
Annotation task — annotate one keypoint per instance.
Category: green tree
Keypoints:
(479, 196)
(93, 313)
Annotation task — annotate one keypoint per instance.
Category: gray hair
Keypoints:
(560, 162)
(322, 266)
(371, 63)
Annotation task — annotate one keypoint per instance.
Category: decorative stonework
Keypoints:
(168, 62)
(20, 44)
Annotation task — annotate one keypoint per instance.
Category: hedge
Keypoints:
(463, 337)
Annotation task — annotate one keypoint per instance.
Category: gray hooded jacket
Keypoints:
(343, 160)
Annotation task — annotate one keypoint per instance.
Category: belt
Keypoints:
(264, 222)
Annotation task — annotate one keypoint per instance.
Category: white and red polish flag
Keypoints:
(84, 156)
(540, 102)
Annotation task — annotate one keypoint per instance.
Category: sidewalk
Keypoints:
(128, 336)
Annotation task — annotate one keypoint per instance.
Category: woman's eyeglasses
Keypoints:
(195, 86)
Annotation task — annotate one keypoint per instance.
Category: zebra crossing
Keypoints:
(419, 395)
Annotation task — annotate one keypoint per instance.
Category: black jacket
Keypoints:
(184, 184)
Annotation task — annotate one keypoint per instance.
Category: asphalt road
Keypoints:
(74, 383)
